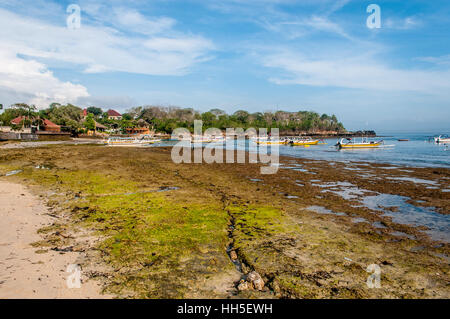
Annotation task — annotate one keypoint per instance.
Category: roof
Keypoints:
(113, 113)
(48, 123)
(98, 125)
(17, 120)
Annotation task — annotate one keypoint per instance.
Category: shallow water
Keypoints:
(414, 180)
(438, 224)
(416, 152)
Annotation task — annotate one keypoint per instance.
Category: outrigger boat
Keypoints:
(131, 141)
(207, 139)
(442, 139)
(269, 141)
(303, 141)
(349, 143)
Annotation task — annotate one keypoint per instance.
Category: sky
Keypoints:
(291, 55)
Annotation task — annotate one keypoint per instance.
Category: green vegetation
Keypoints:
(148, 237)
(166, 119)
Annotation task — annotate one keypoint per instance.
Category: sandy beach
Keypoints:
(25, 272)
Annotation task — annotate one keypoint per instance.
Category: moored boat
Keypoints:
(131, 141)
(270, 141)
(442, 139)
(303, 141)
(349, 143)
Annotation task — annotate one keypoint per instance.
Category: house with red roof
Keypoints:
(17, 120)
(47, 125)
(114, 115)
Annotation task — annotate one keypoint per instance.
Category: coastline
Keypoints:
(27, 271)
(299, 252)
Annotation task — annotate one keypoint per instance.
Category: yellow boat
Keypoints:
(350, 144)
(303, 142)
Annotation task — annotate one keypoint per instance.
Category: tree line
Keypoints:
(166, 118)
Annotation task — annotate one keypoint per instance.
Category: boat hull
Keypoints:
(351, 146)
(304, 143)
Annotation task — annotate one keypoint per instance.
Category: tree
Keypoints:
(127, 117)
(9, 114)
(94, 110)
(89, 122)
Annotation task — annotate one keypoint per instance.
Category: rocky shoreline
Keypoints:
(180, 230)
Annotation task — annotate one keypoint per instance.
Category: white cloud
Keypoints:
(363, 72)
(100, 49)
(30, 81)
(133, 20)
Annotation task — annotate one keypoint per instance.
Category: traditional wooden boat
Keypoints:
(350, 143)
(303, 141)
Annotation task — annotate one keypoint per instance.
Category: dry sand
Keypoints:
(23, 272)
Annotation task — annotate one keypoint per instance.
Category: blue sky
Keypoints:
(234, 54)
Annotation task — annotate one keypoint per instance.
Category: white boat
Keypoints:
(442, 139)
(132, 141)
(270, 140)
(207, 139)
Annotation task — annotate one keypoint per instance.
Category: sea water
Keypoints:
(419, 151)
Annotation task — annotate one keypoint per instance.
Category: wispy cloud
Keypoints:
(407, 23)
(354, 72)
(439, 60)
(296, 28)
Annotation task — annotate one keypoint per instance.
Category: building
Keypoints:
(46, 125)
(18, 120)
(114, 115)
(49, 126)
(99, 127)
